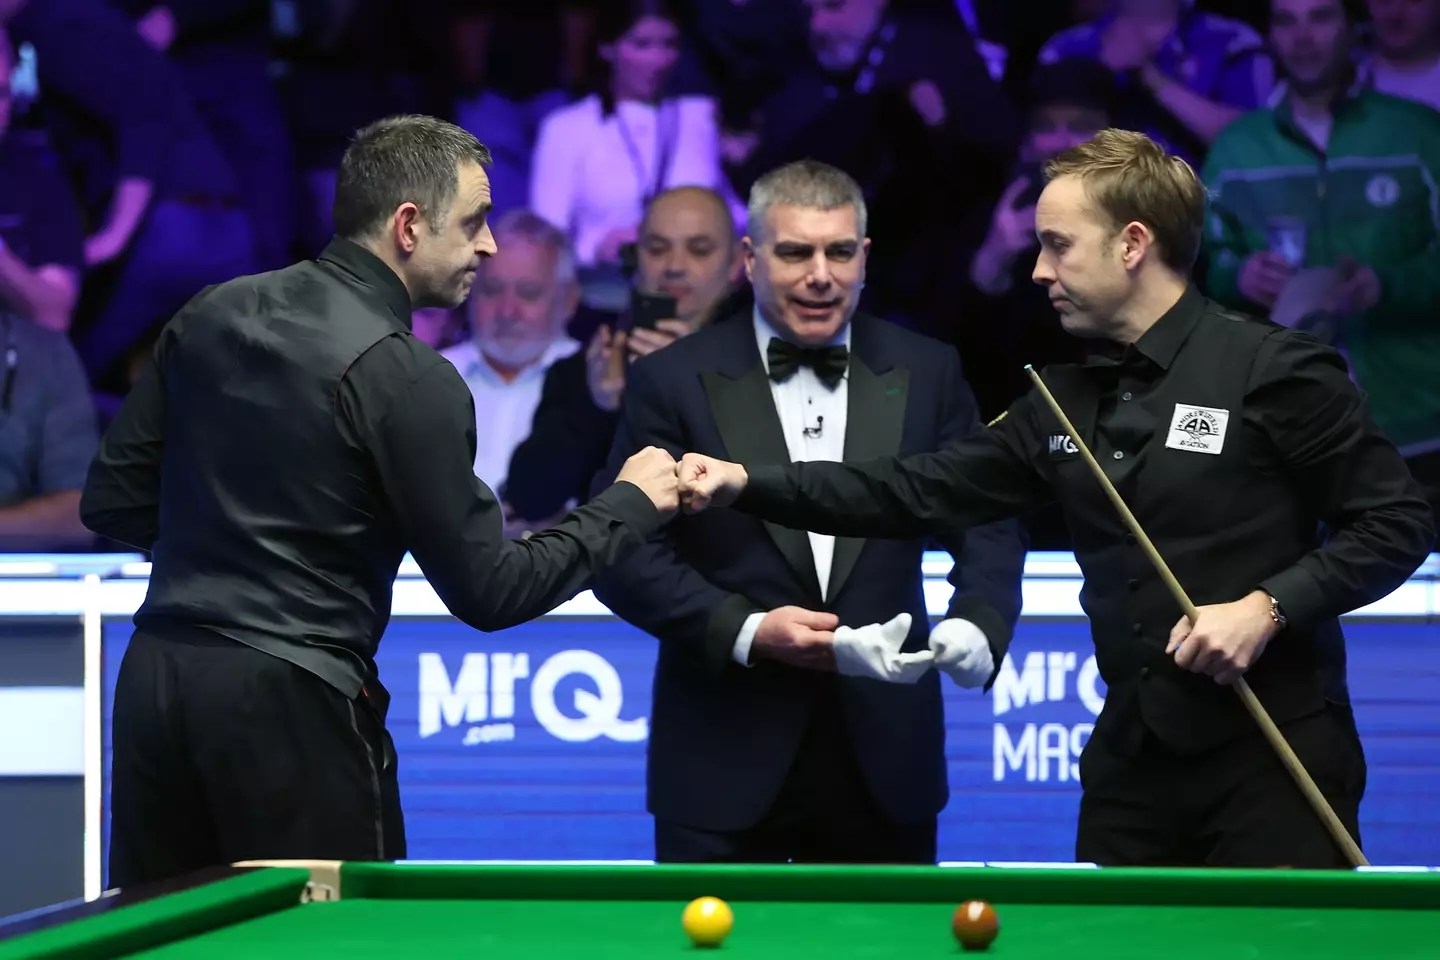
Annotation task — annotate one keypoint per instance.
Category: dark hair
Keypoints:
(402, 159)
(614, 19)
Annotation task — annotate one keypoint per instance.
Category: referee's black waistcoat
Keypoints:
(1249, 459)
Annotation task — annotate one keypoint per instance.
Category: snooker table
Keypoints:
(354, 911)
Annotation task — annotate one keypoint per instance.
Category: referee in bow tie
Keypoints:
(797, 715)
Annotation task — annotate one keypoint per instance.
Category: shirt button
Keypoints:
(1118, 455)
(1139, 630)
(1125, 396)
(1130, 539)
(1144, 672)
(1134, 584)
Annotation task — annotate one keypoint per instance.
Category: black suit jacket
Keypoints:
(723, 735)
(569, 440)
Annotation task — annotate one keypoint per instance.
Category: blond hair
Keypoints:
(1131, 178)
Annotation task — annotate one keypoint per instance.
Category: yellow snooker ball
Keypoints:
(707, 921)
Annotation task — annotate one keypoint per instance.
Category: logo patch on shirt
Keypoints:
(1383, 190)
(1197, 429)
(1061, 446)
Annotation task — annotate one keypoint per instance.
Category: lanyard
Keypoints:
(665, 123)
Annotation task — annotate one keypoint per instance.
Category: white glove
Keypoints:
(874, 651)
(962, 651)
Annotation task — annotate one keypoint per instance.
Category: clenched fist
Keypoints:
(654, 471)
(708, 482)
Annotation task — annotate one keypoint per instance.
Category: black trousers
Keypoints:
(224, 753)
(1235, 806)
(824, 813)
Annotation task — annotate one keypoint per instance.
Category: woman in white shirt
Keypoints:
(599, 161)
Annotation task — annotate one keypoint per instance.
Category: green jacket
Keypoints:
(1372, 196)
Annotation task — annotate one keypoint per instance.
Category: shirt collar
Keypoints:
(764, 332)
(373, 272)
(1163, 340)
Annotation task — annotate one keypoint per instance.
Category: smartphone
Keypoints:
(647, 309)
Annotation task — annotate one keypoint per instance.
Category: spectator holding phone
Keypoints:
(1015, 323)
(687, 267)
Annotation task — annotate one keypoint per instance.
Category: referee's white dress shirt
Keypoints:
(812, 417)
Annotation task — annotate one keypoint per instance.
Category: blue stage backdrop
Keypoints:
(530, 743)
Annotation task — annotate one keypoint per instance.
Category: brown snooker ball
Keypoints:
(975, 924)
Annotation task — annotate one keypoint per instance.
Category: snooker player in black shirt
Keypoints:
(289, 441)
(1232, 440)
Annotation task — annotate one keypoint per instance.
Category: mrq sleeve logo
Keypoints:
(483, 695)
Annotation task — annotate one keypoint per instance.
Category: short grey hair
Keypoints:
(805, 183)
(529, 226)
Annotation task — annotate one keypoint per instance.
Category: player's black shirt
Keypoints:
(290, 440)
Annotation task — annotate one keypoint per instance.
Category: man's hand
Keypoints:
(605, 368)
(157, 28)
(927, 101)
(654, 471)
(1358, 292)
(707, 482)
(103, 247)
(873, 651)
(1012, 229)
(644, 342)
(1226, 638)
(802, 638)
(1262, 276)
(962, 652)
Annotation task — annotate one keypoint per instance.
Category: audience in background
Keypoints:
(598, 161)
(1014, 324)
(222, 50)
(688, 249)
(519, 306)
(161, 145)
(516, 64)
(1405, 48)
(126, 125)
(1183, 74)
(905, 105)
(1327, 216)
(42, 239)
(341, 64)
(47, 420)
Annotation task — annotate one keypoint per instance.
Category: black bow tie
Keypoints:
(829, 363)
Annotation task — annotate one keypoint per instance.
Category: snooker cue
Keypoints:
(1252, 703)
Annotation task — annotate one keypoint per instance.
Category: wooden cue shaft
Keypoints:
(1247, 696)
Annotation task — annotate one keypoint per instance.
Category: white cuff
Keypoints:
(743, 639)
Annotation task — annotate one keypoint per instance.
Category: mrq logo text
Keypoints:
(1040, 752)
(483, 694)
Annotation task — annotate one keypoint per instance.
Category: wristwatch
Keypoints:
(1276, 613)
